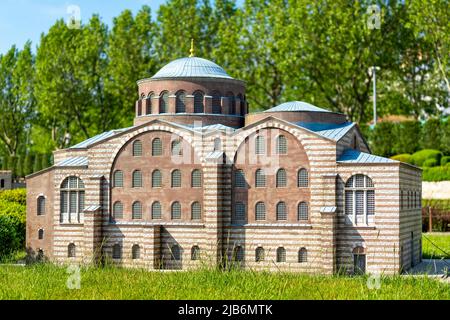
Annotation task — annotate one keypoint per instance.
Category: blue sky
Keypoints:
(22, 20)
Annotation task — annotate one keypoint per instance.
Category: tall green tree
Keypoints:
(131, 56)
(17, 101)
(70, 67)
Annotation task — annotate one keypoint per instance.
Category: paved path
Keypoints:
(434, 268)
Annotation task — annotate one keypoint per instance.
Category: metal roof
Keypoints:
(92, 208)
(356, 156)
(73, 162)
(330, 209)
(332, 131)
(296, 106)
(191, 67)
(97, 138)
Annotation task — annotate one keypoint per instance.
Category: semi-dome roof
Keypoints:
(296, 106)
(191, 67)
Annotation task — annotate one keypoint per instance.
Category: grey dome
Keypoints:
(296, 106)
(191, 67)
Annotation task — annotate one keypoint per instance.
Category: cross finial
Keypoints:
(192, 48)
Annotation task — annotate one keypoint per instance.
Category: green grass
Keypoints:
(431, 242)
(46, 281)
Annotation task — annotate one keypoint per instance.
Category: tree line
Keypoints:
(81, 82)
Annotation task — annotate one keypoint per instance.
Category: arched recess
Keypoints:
(146, 135)
(271, 162)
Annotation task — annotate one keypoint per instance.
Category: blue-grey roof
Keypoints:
(191, 67)
(356, 156)
(296, 106)
(328, 130)
(73, 162)
(97, 138)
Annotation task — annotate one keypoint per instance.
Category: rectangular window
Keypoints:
(370, 202)
(81, 201)
(64, 202)
(359, 202)
(349, 202)
(239, 211)
(73, 202)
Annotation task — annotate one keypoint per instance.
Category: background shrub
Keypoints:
(430, 163)
(381, 139)
(9, 239)
(445, 160)
(431, 134)
(402, 157)
(17, 196)
(406, 137)
(445, 136)
(436, 174)
(12, 220)
(419, 157)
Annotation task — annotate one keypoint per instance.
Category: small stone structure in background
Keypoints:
(6, 180)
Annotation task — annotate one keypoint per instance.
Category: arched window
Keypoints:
(231, 102)
(239, 211)
(260, 211)
(41, 234)
(302, 255)
(238, 254)
(163, 102)
(177, 147)
(71, 250)
(118, 210)
(302, 178)
(281, 211)
(216, 102)
(281, 254)
(137, 210)
(135, 252)
(118, 178)
(196, 178)
(359, 199)
(302, 211)
(156, 147)
(180, 102)
(196, 211)
(217, 144)
(139, 106)
(137, 148)
(137, 179)
(195, 253)
(156, 210)
(281, 178)
(199, 106)
(176, 252)
(156, 179)
(359, 260)
(176, 178)
(72, 200)
(260, 145)
(176, 210)
(241, 104)
(40, 205)
(260, 178)
(239, 179)
(148, 103)
(281, 145)
(259, 254)
(117, 251)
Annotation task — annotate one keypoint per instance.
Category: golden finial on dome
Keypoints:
(192, 48)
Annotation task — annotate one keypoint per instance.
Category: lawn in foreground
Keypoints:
(46, 281)
(431, 240)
